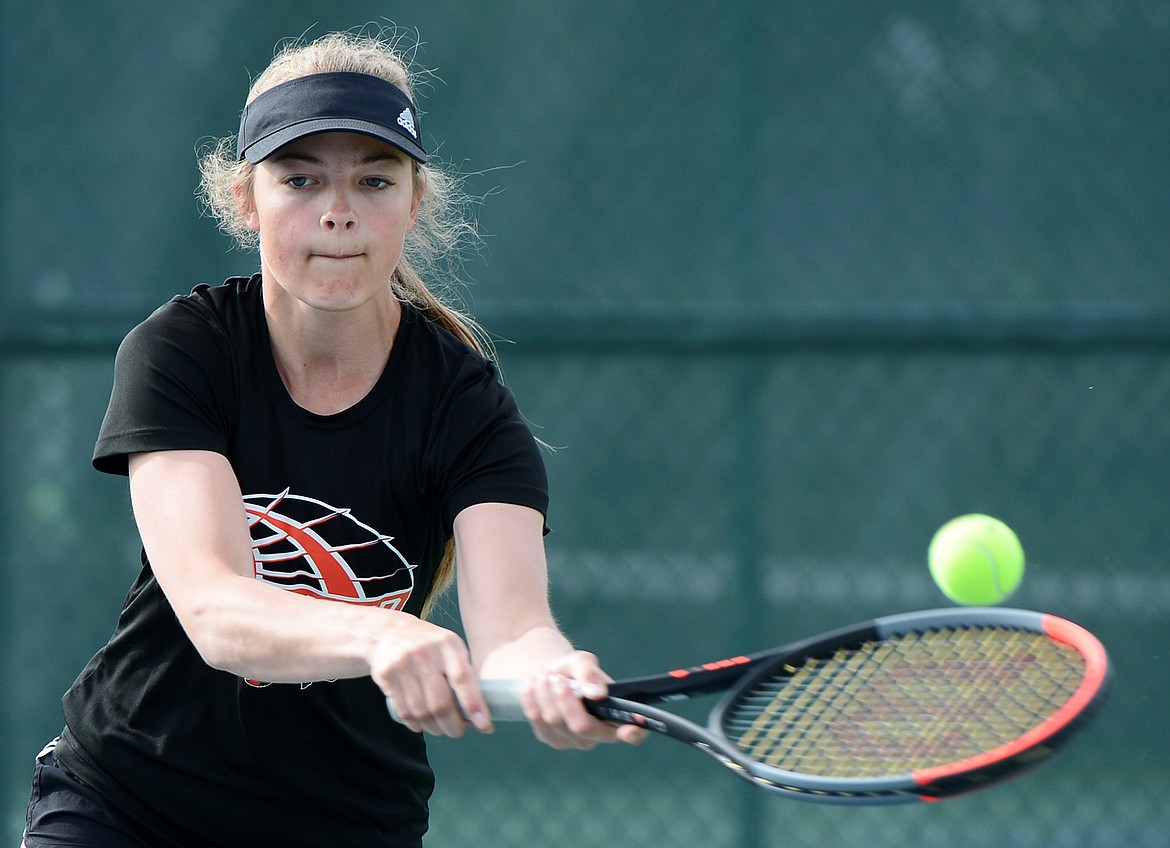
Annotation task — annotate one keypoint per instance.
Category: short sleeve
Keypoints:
(173, 387)
(486, 449)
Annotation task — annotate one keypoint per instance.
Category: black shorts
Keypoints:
(63, 811)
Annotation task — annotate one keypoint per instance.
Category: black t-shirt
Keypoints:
(353, 507)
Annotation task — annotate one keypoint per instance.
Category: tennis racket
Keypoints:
(919, 706)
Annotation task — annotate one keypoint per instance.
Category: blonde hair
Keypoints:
(435, 245)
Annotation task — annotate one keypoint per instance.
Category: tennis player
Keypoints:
(310, 450)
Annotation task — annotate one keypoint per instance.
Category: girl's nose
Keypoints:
(339, 214)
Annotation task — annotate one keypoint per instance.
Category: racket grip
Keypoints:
(502, 697)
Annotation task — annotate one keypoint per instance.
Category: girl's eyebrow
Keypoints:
(294, 156)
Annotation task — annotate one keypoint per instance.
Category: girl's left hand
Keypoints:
(552, 704)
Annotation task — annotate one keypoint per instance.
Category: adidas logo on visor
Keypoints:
(406, 121)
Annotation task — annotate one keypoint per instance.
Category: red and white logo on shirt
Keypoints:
(309, 547)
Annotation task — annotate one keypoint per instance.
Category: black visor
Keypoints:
(333, 102)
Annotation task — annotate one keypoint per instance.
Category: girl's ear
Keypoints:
(420, 188)
(246, 206)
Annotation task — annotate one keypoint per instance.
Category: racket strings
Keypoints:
(907, 703)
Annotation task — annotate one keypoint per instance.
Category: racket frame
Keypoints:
(630, 702)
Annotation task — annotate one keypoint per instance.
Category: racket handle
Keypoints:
(503, 699)
(502, 696)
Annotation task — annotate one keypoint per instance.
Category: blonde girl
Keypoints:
(310, 450)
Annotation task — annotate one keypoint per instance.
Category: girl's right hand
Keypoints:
(425, 671)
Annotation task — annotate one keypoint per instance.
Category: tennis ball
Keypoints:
(976, 560)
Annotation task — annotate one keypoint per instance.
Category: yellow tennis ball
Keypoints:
(976, 560)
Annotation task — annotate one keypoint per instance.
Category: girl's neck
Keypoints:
(329, 361)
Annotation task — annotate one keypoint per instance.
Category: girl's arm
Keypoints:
(503, 599)
(190, 514)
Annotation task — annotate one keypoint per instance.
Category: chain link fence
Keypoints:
(783, 286)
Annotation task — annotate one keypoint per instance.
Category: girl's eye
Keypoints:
(377, 182)
(298, 182)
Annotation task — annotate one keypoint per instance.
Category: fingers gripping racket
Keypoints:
(919, 706)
